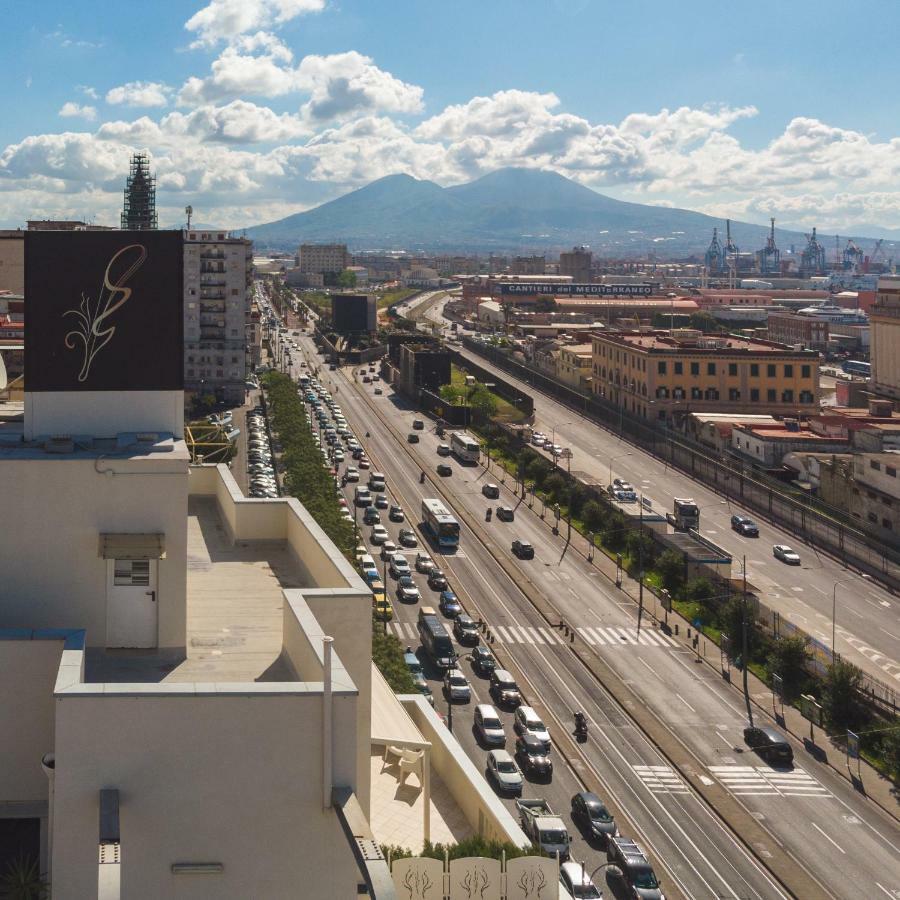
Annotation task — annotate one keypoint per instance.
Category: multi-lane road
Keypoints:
(845, 846)
(868, 616)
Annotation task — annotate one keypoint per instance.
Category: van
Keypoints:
(436, 642)
(362, 497)
(367, 563)
(527, 721)
(376, 481)
(768, 743)
(504, 689)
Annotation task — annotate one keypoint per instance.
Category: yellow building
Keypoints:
(885, 320)
(573, 365)
(656, 374)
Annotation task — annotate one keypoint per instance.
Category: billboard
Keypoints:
(569, 290)
(104, 311)
(352, 313)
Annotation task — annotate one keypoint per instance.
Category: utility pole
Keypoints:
(744, 646)
(640, 564)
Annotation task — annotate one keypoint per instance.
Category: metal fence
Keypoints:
(828, 530)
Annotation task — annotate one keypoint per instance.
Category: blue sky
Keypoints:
(252, 109)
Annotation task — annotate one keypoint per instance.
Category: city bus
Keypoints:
(440, 524)
(464, 447)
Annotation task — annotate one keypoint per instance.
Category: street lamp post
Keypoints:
(612, 459)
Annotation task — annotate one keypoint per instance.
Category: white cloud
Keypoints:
(88, 91)
(226, 20)
(139, 93)
(77, 110)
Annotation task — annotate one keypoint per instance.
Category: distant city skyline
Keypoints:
(255, 109)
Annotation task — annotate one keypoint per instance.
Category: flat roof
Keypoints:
(717, 343)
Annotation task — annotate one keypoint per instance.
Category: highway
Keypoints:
(868, 616)
(810, 811)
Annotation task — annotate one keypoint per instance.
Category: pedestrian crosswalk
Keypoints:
(622, 637)
(761, 781)
(530, 634)
(661, 779)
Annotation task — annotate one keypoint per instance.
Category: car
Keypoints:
(362, 371)
(538, 438)
(503, 773)
(504, 689)
(443, 449)
(371, 516)
(424, 563)
(576, 880)
(532, 756)
(412, 662)
(437, 580)
(378, 392)
(483, 661)
(381, 606)
(522, 549)
(591, 815)
(399, 566)
(407, 538)
(423, 687)
(505, 513)
(396, 514)
(444, 470)
(358, 452)
(418, 425)
(786, 555)
(381, 502)
(490, 490)
(338, 456)
(363, 462)
(388, 549)
(745, 526)
(769, 744)
(407, 592)
(367, 379)
(456, 688)
(488, 727)
(527, 721)
(412, 438)
(449, 604)
(372, 576)
(379, 535)
(556, 450)
(548, 444)
(465, 630)
(351, 474)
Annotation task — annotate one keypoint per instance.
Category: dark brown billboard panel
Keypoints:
(103, 311)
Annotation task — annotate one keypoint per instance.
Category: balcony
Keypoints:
(208, 333)
(211, 282)
(211, 295)
(212, 254)
(212, 308)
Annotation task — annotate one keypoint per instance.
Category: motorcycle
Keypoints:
(581, 728)
(421, 478)
(487, 515)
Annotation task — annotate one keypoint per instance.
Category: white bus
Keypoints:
(440, 524)
(464, 447)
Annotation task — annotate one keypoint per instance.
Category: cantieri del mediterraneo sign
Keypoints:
(524, 878)
(104, 311)
(570, 290)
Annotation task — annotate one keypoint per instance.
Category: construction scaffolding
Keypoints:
(139, 212)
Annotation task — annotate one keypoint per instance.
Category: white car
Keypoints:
(538, 439)
(456, 688)
(424, 563)
(504, 773)
(786, 555)
(352, 473)
(379, 534)
(388, 549)
(399, 565)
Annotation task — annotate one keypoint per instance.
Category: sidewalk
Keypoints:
(819, 746)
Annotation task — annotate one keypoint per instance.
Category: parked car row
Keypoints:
(260, 462)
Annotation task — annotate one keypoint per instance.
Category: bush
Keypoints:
(640, 549)
(387, 654)
(555, 486)
(471, 846)
(787, 657)
(538, 470)
(839, 694)
(593, 514)
(890, 752)
(670, 566)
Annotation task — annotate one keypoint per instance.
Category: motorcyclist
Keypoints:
(422, 477)
(367, 434)
(580, 723)
(487, 515)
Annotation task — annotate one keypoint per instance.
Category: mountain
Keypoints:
(511, 209)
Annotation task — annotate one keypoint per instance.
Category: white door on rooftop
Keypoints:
(131, 603)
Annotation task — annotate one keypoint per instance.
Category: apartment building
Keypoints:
(576, 263)
(323, 259)
(885, 338)
(791, 328)
(664, 374)
(218, 277)
(574, 364)
(528, 265)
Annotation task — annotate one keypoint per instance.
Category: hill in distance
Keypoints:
(511, 209)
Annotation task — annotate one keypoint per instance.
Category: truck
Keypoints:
(545, 829)
(685, 514)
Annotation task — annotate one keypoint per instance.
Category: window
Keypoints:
(660, 368)
(662, 393)
(732, 368)
(770, 370)
(771, 395)
(874, 464)
(788, 371)
(696, 394)
(679, 368)
(787, 396)
(806, 397)
(872, 517)
(131, 572)
(734, 394)
(711, 394)
(710, 368)
(890, 470)
(805, 371)
(754, 370)
(695, 368)
(754, 395)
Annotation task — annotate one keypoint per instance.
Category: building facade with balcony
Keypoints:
(885, 338)
(664, 374)
(218, 274)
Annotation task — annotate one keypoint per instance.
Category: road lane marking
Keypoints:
(661, 780)
(648, 666)
(763, 781)
(688, 705)
(835, 843)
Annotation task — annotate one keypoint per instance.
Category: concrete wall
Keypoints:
(484, 811)
(103, 413)
(53, 576)
(28, 673)
(12, 262)
(228, 778)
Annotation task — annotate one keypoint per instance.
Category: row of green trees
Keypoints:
(305, 476)
(719, 610)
